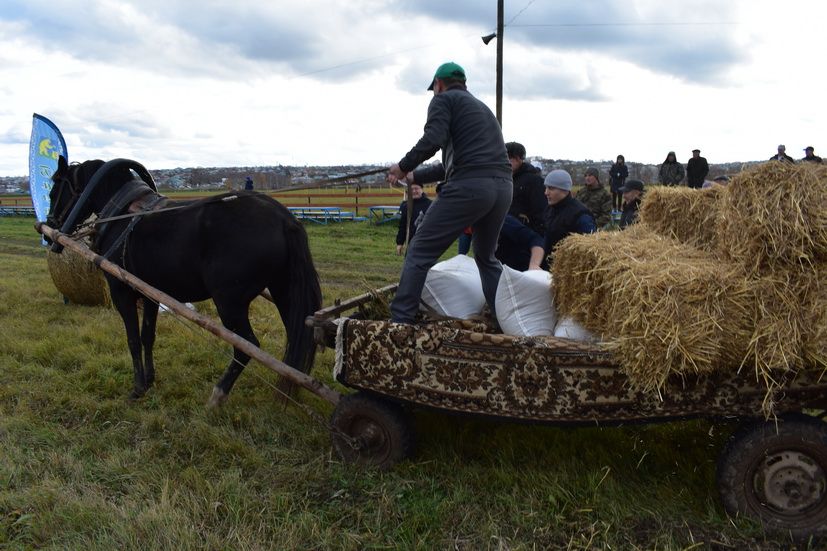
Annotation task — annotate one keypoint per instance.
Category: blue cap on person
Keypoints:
(559, 179)
(448, 70)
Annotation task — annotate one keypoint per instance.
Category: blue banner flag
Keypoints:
(45, 146)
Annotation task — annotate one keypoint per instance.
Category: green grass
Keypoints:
(83, 468)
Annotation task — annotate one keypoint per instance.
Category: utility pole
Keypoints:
(500, 28)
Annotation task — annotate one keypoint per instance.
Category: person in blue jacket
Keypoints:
(520, 247)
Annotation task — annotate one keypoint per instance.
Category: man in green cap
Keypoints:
(476, 191)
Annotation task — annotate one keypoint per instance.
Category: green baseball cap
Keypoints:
(448, 70)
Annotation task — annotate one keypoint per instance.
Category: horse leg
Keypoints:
(148, 339)
(125, 302)
(235, 319)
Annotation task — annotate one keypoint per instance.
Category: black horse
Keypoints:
(229, 248)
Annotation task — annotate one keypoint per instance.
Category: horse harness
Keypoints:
(135, 199)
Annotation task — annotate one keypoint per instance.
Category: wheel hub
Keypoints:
(792, 481)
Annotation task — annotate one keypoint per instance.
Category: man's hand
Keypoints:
(395, 174)
(399, 250)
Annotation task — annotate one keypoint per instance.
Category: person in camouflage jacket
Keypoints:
(671, 172)
(596, 198)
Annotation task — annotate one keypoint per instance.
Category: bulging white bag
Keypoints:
(453, 288)
(568, 328)
(524, 303)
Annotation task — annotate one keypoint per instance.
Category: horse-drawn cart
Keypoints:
(772, 470)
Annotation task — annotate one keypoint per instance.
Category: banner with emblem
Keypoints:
(45, 146)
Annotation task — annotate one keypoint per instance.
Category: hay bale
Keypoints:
(814, 320)
(774, 217)
(583, 272)
(662, 307)
(80, 281)
(685, 214)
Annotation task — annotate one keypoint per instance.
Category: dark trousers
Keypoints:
(481, 203)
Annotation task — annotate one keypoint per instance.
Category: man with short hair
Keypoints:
(632, 193)
(596, 197)
(528, 202)
(565, 214)
(476, 192)
(782, 155)
(810, 156)
(696, 170)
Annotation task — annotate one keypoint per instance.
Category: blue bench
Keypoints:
(10, 210)
(323, 215)
(383, 213)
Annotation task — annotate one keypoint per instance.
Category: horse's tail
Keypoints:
(303, 298)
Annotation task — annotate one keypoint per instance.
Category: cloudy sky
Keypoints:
(237, 83)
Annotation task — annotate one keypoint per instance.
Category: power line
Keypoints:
(519, 13)
(682, 24)
(365, 60)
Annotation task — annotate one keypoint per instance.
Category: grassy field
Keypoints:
(83, 468)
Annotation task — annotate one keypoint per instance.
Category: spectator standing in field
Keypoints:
(696, 170)
(565, 214)
(520, 247)
(671, 172)
(618, 174)
(782, 155)
(248, 184)
(632, 193)
(434, 173)
(420, 207)
(810, 155)
(476, 192)
(528, 203)
(596, 198)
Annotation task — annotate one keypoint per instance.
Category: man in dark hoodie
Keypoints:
(528, 203)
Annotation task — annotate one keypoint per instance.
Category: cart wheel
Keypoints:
(778, 476)
(371, 432)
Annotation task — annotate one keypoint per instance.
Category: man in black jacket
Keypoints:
(565, 214)
(810, 155)
(696, 170)
(632, 193)
(782, 155)
(476, 192)
(408, 224)
(528, 203)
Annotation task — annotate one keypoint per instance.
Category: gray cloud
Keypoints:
(233, 40)
(664, 41)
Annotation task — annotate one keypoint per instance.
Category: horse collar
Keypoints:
(134, 194)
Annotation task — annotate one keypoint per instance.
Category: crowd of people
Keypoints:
(491, 198)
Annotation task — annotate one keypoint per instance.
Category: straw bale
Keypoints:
(585, 264)
(661, 306)
(80, 281)
(686, 214)
(814, 316)
(774, 216)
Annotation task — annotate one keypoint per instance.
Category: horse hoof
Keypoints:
(217, 399)
(136, 395)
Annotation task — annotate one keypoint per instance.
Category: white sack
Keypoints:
(524, 303)
(453, 288)
(567, 328)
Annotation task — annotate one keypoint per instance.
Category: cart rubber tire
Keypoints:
(380, 434)
(778, 476)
